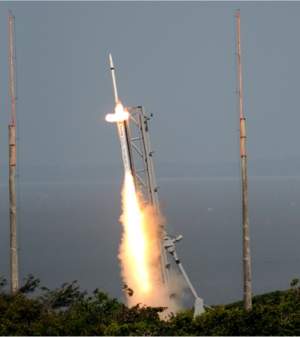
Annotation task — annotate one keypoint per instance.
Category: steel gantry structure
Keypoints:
(145, 179)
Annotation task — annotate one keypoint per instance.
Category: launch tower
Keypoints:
(137, 155)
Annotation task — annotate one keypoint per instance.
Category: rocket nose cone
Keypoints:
(111, 61)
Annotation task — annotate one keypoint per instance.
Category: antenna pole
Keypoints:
(14, 274)
(247, 282)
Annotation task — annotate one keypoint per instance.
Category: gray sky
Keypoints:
(177, 59)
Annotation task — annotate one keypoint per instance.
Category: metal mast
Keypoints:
(247, 282)
(14, 273)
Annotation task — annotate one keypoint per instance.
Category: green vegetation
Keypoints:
(36, 310)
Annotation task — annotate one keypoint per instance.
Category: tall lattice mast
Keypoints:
(14, 273)
(247, 282)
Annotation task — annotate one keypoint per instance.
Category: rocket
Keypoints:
(121, 117)
(113, 76)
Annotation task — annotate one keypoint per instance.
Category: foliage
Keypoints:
(37, 310)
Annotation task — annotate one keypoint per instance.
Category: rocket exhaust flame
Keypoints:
(139, 250)
(135, 239)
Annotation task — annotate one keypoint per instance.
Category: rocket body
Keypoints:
(120, 117)
(113, 75)
(124, 146)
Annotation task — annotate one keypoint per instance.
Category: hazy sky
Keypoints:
(177, 59)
